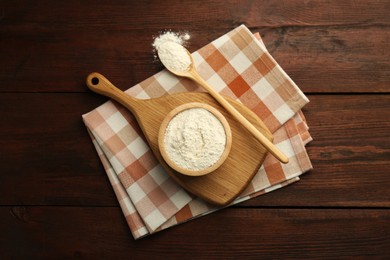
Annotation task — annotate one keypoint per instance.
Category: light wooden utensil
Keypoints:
(226, 182)
(192, 73)
(164, 126)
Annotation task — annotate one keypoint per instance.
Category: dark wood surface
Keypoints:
(55, 199)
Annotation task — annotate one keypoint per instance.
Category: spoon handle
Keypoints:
(101, 85)
(237, 115)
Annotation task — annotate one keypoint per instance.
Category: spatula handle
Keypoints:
(101, 85)
(237, 115)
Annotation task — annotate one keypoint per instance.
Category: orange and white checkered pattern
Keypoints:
(237, 65)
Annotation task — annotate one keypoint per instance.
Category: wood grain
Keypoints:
(55, 199)
(328, 46)
(88, 232)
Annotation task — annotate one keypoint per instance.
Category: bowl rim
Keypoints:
(165, 123)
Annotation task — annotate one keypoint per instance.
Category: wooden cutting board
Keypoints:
(245, 158)
(221, 186)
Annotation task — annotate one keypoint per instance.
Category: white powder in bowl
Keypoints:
(195, 139)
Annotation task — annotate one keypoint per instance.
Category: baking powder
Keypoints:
(171, 51)
(174, 57)
(195, 139)
(170, 37)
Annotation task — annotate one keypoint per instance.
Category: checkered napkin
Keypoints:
(237, 65)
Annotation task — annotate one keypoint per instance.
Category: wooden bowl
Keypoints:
(162, 131)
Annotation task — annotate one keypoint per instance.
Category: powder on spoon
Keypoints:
(174, 57)
(171, 52)
(170, 37)
(195, 139)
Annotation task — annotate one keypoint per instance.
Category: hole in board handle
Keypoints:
(95, 81)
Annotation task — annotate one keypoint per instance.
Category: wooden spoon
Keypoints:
(226, 182)
(192, 73)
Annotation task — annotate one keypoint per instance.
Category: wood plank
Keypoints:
(52, 47)
(47, 153)
(49, 159)
(101, 232)
(254, 13)
(333, 59)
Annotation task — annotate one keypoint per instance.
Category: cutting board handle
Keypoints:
(101, 85)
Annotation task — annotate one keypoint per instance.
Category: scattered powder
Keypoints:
(195, 139)
(170, 37)
(171, 52)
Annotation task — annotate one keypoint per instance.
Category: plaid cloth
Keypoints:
(237, 65)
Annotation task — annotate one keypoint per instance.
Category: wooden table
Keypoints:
(56, 200)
